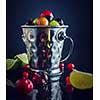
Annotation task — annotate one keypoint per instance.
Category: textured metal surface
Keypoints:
(31, 39)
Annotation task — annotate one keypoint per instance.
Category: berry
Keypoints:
(46, 13)
(68, 81)
(42, 21)
(60, 21)
(69, 88)
(24, 86)
(54, 23)
(25, 74)
(70, 66)
(49, 18)
(26, 66)
(30, 22)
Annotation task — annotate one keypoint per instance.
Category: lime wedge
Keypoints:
(10, 63)
(81, 80)
(22, 57)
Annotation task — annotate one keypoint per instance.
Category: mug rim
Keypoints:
(41, 26)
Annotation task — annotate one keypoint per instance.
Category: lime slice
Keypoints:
(81, 80)
(22, 57)
(10, 63)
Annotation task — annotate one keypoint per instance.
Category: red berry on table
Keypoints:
(70, 66)
(46, 13)
(25, 74)
(26, 66)
(24, 86)
(42, 21)
(68, 80)
(69, 88)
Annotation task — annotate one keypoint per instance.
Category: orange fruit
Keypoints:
(42, 21)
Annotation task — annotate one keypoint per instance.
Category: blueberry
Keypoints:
(60, 21)
(30, 22)
(49, 18)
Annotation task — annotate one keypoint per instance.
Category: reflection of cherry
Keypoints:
(43, 37)
(24, 85)
(69, 87)
(61, 66)
(38, 80)
(68, 80)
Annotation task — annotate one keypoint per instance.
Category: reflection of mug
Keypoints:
(44, 46)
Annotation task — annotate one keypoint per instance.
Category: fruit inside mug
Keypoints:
(46, 18)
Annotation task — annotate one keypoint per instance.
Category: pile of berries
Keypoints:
(46, 18)
(26, 84)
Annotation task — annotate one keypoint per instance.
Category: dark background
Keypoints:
(76, 13)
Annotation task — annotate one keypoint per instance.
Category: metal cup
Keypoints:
(44, 45)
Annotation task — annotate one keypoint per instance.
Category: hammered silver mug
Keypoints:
(44, 45)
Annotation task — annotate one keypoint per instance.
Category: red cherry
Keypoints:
(46, 13)
(26, 66)
(24, 86)
(68, 80)
(69, 88)
(25, 74)
(70, 66)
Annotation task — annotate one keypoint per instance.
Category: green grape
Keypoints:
(54, 23)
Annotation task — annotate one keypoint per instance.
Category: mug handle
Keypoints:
(71, 48)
